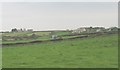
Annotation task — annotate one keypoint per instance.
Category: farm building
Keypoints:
(88, 30)
(112, 29)
(30, 30)
(21, 30)
(79, 30)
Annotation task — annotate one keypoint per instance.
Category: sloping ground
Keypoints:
(41, 41)
(22, 37)
(64, 37)
(28, 37)
(97, 52)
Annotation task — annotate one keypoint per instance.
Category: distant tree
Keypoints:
(91, 27)
(21, 29)
(14, 30)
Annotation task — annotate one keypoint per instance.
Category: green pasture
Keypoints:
(41, 33)
(97, 52)
(15, 33)
(42, 36)
(25, 33)
(62, 33)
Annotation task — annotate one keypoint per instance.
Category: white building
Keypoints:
(88, 29)
(79, 30)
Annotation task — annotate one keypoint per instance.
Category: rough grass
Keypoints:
(24, 33)
(43, 36)
(95, 52)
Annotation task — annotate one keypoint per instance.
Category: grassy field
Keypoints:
(42, 36)
(24, 33)
(101, 51)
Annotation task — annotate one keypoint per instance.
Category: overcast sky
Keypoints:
(58, 15)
